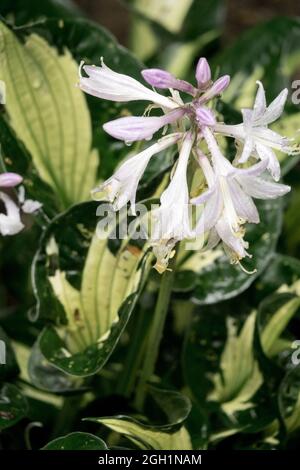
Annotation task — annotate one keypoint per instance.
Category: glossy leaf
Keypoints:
(169, 434)
(36, 10)
(14, 157)
(89, 42)
(289, 399)
(13, 406)
(91, 286)
(283, 271)
(236, 380)
(49, 116)
(268, 59)
(77, 441)
(146, 438)
(8, 364)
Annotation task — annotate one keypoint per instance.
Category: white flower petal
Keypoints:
(122, 186)
(260, 188)
(212, 239)
(275, 109)
(260, 104)
(30, 206)
(204, 197)
(243, 203)
(211, 213)
(9, 180)
(254, 170)
(247, 117)
(247, 149)
(106, 84)
(235, 243)
(265, 153)
(172, 218)
(10, 223)
(221, 165)
(237, 131)
(174, 200)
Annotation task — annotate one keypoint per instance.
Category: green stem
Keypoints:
(134, 357)
(156, 333)
(67, 416)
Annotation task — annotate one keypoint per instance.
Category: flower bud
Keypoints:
(205, 116)
(161, 79)
(8, 180)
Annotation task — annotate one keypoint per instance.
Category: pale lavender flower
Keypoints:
(122, 186)
(172, 218)
(134, 128)
(104, 83)
(257, 139)
(161, 79)
(228, 203)
(203, 73)
(216, 89)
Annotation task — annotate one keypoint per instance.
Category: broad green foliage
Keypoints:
(49, 114)
(92, 307)
(240, 377)
(89, 42)
(173, 26)
(238, 385)
(77, 441)
(268, 59)
(13, 406)
(76, 332)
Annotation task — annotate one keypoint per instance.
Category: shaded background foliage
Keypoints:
(225, 376)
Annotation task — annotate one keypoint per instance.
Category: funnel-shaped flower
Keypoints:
(122, 186)
(134, 128)
(172, 218)
(104, 83)
(228, 203)
(258, 140)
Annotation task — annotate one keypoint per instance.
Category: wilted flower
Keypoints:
(227, 203)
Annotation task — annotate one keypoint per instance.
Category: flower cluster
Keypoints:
(225, 202)
(10, 220)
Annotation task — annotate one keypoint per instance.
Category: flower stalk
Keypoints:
(156, 333)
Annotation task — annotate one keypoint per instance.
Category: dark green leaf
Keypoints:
(87, 287)
(89, 42)
(77, 441)
(13, 406)
(169, 434)
(14, 157)
(8, 364)
(35, 10)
